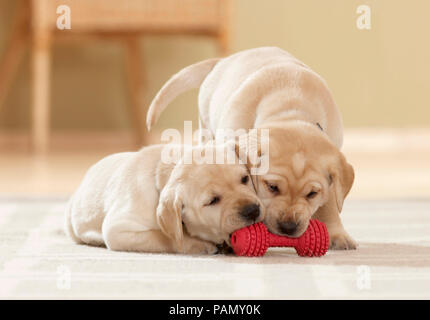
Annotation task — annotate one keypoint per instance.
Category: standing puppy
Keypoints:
(268, 88)
(134, 201)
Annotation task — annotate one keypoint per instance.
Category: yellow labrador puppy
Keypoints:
(268, 88)
(135, 201)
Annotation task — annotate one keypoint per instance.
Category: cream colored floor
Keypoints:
(387, 163)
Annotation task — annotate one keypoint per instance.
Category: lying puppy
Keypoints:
(269, 88)
(134, 201)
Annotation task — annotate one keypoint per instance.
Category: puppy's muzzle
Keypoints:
(288, 227)
(250, 212)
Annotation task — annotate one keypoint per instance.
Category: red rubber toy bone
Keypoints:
(254, 240)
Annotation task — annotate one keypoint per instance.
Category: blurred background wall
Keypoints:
(379, 77)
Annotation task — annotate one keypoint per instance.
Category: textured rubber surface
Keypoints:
(254, 240)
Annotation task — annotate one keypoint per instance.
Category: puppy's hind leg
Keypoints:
(68, 226)
(339, 238)
(85, 233)
(92, 238)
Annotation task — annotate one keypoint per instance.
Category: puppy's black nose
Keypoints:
(287, 227)
(250, 211)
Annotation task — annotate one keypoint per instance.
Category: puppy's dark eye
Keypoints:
(311, 195)
(244, 180)
(214, 201)
(272, 187)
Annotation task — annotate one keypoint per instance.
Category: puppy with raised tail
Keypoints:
(268, 88)
(134, 201)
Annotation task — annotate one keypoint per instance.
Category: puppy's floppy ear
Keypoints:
(341, 177)
(169, 216)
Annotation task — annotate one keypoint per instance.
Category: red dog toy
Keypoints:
(254, 240)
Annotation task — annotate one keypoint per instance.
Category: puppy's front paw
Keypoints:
(195, 246)
(224, 248)
(209, 248)
(342, 241)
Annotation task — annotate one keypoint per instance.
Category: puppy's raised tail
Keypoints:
(188, 78)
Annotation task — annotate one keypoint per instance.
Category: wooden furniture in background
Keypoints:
(125, 20)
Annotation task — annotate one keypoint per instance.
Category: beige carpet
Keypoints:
(393, 261)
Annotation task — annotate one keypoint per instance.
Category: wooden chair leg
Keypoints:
(223, 37)
(40, 98)
(135, 77)
(14, 51)
(40, 75)
(223, 40)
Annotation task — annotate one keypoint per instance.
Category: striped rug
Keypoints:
(393, 261)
